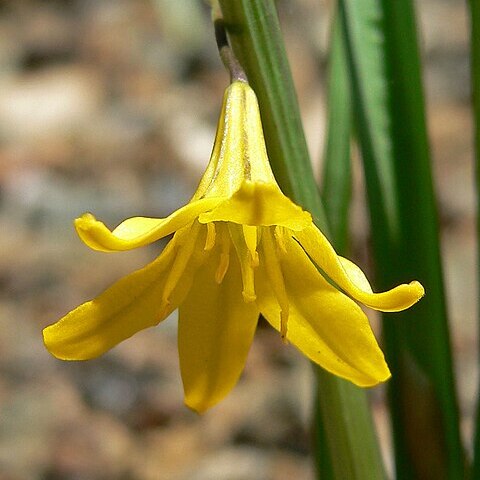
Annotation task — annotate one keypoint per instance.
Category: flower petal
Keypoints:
(346, 275)
(356, 275)
(239, 152)
(326, 325)
(211, 170)
(138, 231)
(259, 204)
(215, 331)
(129, 305)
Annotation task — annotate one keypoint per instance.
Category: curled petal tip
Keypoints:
(84, 222)
(86, 216)
(91, 231)
(417, 289)
(401, 297)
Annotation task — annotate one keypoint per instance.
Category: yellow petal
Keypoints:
(239, 152)
(259, 204)
(275, 278)
(138, 231)
(356, 275)
(129, 305)
(326, 325)
(210, 171)
(350, 278)
(215, 331)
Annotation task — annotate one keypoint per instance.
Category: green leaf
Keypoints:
(336, 194)
(474, 9)
(336, 185)
(390, 118)
(255, 34)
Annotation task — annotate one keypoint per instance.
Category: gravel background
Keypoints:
(110, 106)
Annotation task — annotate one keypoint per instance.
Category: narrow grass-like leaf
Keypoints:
(336, 184)
(389, 107)
(336, 179)
(255, 34)
(474, 8)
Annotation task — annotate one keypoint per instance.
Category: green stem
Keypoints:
(474, 8)
(255, 35)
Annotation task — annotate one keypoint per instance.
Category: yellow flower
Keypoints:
(240, 248)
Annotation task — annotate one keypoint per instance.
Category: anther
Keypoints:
(244, 238)
(249, 296)
(222, 267)
(211, 234)
(224, 244)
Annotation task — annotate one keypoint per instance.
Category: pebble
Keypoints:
(111, 107)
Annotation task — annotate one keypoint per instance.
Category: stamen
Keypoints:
(275, 275)
(224, 240)
(248, 293)
(210, 240)
(280, 238)
(222, 267)
(245, 259)
(250, 234)
(186, 247)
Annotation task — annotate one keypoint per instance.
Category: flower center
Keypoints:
(254, 247)
(244, 239)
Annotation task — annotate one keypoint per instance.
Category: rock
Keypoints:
(47, 103)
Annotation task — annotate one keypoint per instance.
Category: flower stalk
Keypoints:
(226, 54)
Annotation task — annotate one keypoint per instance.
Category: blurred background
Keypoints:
(110, 106)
